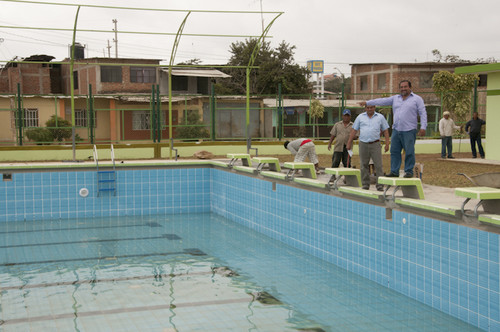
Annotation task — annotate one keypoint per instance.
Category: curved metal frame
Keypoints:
(253, 56)
(72, 86)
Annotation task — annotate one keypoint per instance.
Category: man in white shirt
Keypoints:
(446, 128)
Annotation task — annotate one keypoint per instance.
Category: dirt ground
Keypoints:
(437, 171)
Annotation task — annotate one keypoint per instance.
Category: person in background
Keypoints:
(473, 128)
(446, 128)
(369, 125)
(407, 107)
(302, 148)
(341, 130)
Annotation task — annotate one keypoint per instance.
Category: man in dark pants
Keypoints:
(473, 127)
(341, 130)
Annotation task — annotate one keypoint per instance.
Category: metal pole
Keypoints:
(247, 122)
(474, 105)
(91, 115)
(212, 110)
(72, 87)
(158, 112)
(19, 114)
(280, 113)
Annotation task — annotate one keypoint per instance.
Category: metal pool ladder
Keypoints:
(106, 180)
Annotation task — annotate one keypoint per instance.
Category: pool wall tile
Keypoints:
(55, 195)
(450, 267)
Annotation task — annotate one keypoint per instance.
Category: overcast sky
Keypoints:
(338, 32)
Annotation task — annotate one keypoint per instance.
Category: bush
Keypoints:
(193, 118)
(60, 132)
(39, 135)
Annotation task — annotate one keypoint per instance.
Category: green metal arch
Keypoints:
(251, 62)
(171, 63)
(72, 84)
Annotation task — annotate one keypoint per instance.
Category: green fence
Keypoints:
(145, 117)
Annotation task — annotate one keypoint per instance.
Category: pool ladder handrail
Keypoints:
(101, 181)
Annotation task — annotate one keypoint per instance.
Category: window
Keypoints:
(381, 81)
(179, 83)
(363, 80)
(30, 117)
(290, 116)
(111, 74)
(141, 120)
(142, 75)
(426, 79)
(75, 80)
(203, 83)
(81, 118)
(483, 80)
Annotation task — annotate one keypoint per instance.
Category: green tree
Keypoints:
(455, 92)
(59, 128)
(335, 85)
(316, 111)
(275, 66)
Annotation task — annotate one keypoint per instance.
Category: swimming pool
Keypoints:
(186, 272)
(449, 267)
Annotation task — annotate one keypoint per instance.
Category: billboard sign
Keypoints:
(316, 66)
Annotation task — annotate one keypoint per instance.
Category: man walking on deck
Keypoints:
(473, 127)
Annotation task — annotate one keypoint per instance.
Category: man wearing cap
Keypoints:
(341, 130)
(446, 128)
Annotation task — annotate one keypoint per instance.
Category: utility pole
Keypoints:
(262, 16)
(115, 40)
(109, 50)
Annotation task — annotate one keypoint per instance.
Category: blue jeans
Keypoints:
(446, 144)
(476, 137)
(403, 140)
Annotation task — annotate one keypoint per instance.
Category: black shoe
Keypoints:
(380, 188)
(392, 175)
(366, 187)
(443, 157)
(475, 157)
(408, 175)
(482, 157)
(451, 157)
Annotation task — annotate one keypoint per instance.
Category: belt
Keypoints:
(372, 142)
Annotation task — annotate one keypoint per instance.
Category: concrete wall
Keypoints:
(493, 107)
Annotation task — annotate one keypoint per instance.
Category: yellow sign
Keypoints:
(316, 66)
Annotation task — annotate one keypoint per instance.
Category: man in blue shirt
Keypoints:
(406, 107)
(369, 125)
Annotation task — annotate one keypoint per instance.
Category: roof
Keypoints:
(271, 102)
(479, 69)
(197, 72)
(420, 64)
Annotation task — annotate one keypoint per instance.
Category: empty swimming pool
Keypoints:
(191, 272)
(448, 266)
